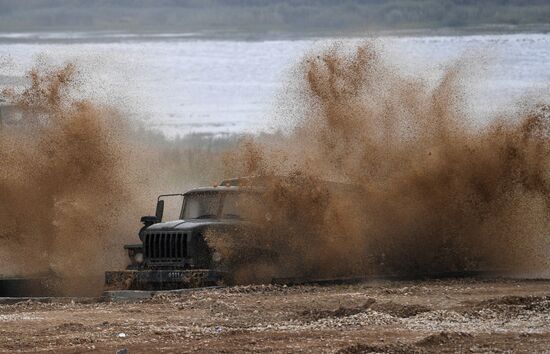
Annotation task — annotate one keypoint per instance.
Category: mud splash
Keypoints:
(77, 174)
(420, 188)
(64, 182)
(432, 191)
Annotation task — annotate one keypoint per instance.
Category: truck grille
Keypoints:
(165, 247)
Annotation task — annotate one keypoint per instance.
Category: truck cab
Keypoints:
(175, 253)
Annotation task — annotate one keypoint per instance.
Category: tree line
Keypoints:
(294, 16)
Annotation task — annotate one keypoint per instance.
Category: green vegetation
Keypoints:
(260, 16)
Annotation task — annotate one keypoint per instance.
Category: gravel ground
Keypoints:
(396, 317)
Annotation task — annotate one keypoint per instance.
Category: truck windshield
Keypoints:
(242, 206)
(231, 206)
(208, 205)
(201, 206)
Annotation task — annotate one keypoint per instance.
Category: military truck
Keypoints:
(175, 254)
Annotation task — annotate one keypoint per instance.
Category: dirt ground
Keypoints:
(383, 316)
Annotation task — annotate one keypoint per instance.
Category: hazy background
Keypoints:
(252, 17)
(195, 77)
(216, 68)
(219, 68)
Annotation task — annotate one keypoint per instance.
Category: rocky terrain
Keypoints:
(382, 316)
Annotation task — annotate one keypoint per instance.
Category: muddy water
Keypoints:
(64, 182)
(432, 191)
(76, 176)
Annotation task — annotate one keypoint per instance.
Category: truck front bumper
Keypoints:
(161, 279)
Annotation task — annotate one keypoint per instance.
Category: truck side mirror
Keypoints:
(160, 210)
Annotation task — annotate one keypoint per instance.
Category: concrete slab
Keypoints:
(132, 295)
(126, 295)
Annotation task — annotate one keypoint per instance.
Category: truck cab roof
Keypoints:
(221, 189)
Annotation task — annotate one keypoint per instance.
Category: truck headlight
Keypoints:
(138, 258)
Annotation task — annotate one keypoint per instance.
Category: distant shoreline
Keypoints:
(94, 36)
(261, 20)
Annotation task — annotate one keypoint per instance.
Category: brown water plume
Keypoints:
(431, 190)
(76, 177)
(418, 188)
(64, 181)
